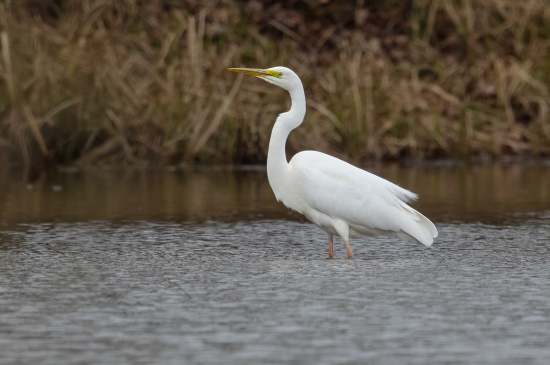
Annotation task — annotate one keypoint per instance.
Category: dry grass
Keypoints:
(132, 82)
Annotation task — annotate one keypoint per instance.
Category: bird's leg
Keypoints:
(330, 247)
(348, 247)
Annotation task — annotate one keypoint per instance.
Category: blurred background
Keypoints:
(144, 83)
(137, 224)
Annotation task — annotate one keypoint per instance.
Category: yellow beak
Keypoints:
(258, 72)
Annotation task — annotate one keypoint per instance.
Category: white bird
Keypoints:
(338, 197)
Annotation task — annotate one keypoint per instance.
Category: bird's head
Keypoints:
(280, 76)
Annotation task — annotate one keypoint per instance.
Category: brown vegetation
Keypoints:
(145, 82)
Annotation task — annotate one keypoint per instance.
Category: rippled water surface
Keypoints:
(204, 267)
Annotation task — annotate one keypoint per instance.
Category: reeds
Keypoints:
(141, 83)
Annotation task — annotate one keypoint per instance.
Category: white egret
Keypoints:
(338, 197)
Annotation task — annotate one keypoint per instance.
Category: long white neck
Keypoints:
(277, 165)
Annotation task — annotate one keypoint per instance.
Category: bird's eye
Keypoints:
(275, 73)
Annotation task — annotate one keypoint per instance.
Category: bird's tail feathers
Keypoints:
(403, 195)
(418, 227)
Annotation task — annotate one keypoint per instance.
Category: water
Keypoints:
(203, 267)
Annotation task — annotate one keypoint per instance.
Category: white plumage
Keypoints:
(335, 195)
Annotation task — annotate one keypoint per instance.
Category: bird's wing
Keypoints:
(345, 192)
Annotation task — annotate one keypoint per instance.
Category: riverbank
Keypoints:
(128, 83)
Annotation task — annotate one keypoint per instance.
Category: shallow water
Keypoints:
(203, 267)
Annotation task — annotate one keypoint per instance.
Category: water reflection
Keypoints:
(114, 267)
(447, 193)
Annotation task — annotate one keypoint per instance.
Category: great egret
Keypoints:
(338, 197)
